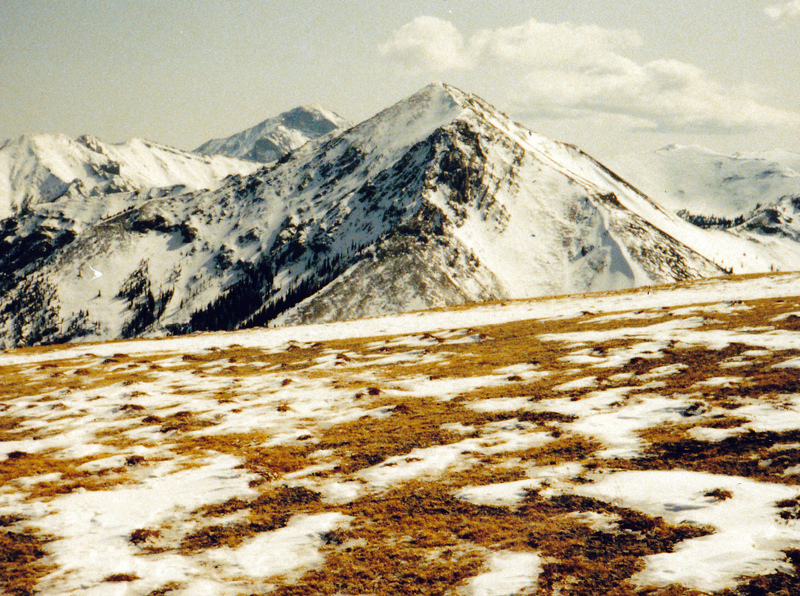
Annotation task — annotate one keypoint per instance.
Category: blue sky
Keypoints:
(609, 76)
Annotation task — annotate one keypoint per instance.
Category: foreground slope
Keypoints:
(641, 442)
(438, 200)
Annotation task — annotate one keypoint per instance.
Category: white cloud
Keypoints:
(543, 45)
(433, 43)
(566, 70)
(785, 12)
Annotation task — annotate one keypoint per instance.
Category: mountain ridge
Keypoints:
(41, 168)
(437, 200)
(441, 173)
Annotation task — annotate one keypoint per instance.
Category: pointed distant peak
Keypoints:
(312, 119)
(411, 119)
(313, 109)
(275, 137)
(439, 93)
(438, 100)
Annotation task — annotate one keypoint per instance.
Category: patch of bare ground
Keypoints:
(413, 423)
(502, 344)
(121, 577)
(238, 360)
(74, 374)
(166, 589)
(8, 426)
(758, 378)
(22, 561)
(419, 539)
(701, 363)
(566, 448)
(268, 463)
(269, 511)
(369, 440)
(587, 562)
(751, 454)
(183, 421)
(71, 475)
(493, 469)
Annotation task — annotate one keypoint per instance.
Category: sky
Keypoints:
(611, 76)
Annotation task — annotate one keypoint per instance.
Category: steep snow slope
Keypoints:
(439, 199)
(41, 168)
(705, 182)
(275, 137)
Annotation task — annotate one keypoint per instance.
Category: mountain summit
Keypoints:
(275, 137)
(438, 200)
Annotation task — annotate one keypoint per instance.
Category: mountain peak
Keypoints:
(438, 96)
(439, 199)
(312, 119)
(273, 138)
(411, 119)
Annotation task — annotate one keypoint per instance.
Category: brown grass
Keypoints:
(270, 511)
(8, 428)
(750, 454)
(166, 589)
(20, 464)
(719, 494)
(142, 536)
(183, 421)
(21, 564)
(230, 535)
(369, 441)
(268, 462)
(780, 583)
(419, 539)
(568, 448)
(121, 577)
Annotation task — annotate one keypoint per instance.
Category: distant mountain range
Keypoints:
(438, 200)
(705, 182)
(41, 169)
(275, 137)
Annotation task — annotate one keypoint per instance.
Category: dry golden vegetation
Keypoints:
(388, 430)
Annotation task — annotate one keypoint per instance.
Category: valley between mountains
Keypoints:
(638, 442)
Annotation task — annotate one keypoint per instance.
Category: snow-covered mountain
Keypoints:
(41, 168)
(438, 200)
(705, 182)
(275, 137)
